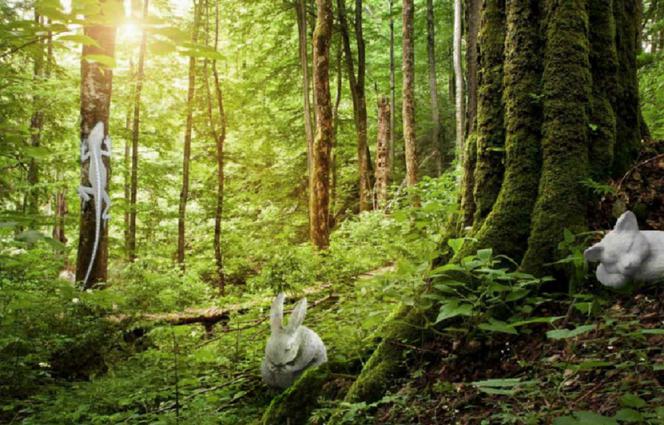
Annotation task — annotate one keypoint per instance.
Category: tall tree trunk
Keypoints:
(487, 176)
(458, 81)
(96, 87)
(408, 69)
(382, 152)
(392, 88)
(335, 118)
(126, 177)
(473, 27)
(319, 201)
(357, 89)
(184, 193)
(36, 125)
(300, 9)
(135, 132)
(218, 131)
(433, 88)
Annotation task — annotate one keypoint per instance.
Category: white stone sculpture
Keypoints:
(292, 348)
(627, 253)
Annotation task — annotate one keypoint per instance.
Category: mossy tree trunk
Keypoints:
(553, 77)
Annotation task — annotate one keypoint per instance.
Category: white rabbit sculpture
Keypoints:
(292, 348)
(627, 253)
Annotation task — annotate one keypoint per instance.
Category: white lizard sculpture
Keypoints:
(91, 149)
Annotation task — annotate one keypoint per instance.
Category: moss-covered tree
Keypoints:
(568, 71)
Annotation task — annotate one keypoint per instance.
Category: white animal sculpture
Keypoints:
(92, 149)
(292, 348)
(627, 253)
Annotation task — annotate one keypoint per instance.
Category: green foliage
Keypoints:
(484, 295)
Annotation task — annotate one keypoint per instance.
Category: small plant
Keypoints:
(491, 298)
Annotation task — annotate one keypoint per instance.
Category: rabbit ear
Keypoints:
(277, 312)
(297, 316)
(594, 253)
(627, 223)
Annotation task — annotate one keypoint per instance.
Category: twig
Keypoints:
(640, 164)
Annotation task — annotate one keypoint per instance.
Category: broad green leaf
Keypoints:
(455, 244)
(632, 400)
(628, 415)
(453, 309)
(569, 333)
(535, 320)
(498, 326)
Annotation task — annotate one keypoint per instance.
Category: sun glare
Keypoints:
(129, 32)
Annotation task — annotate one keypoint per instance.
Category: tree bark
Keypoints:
(335, 118)
(473, 16)
(96, 88)
(458, 81)
(218, 131)
(36, 126)
(490, 132)
(382, 152)
(357, 89)
(184, 193)
(433, 89)
(300, 9)
(135, 132)
(392, 89)
(408, 68)
(319, 200)
(522, 121)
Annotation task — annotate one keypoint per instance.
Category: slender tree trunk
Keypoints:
(36, 125)
(127, 156)
(433, 88)
(335, 115)
(408, 68)
(458, 81)
(392, 88)
(184, 193)
(473, 27)
(96, 88)
(382, 152)
(301, 11)
(319, 227)
(135, 132)
(357, 89)
(218, 131)
(60, 213)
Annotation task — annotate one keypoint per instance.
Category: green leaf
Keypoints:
(485, 254)
(569, 333)
(455, 244)
(628, 415)
(535, 320)
(632, 400)
(80, 38)
(453, 309)
(652, 331)
(498, 326)
(105, 60)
